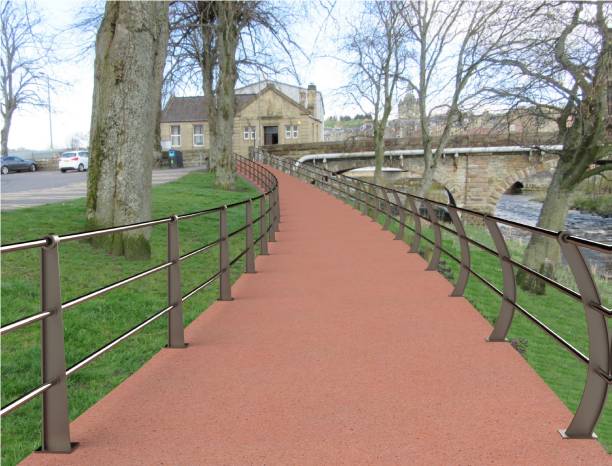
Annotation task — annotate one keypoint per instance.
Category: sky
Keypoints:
(71, 104)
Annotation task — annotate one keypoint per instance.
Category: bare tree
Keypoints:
(451, 43)
(130, 56)
(213, 43)
(376, 58)
(560, 63)
(24, 55)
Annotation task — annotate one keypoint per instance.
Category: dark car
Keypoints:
(15, 164)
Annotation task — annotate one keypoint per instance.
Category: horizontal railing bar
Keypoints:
(486, 282)
(201, 287)
(239, 230)
(24, 399)
(602, 309)
(37, 243)
(547, 280)
(106, 231)
(199, 250)
(255, 220)
(99, 352)
(236, 204)
(484, 247)
(119, 284)
(200, 212)
(238, 257)
(587, 243)
(550, 332)
(23, 322)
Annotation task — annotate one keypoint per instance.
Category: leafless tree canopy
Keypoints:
(558, 63)
(214, 44)
(376, 59)
(265, 43)
(24, 56)
(451, 45)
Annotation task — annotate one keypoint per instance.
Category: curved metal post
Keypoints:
(373, 201)
(598, 375)
(55, 422)
(387, 208)
(176, 335)
(416, 240)
(364, 200)
(356, 194)
(464, 267)
(435, 257)
(402, 216)
(506, 312)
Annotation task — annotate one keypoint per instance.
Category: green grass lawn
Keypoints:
(93, 324)
(559, 369)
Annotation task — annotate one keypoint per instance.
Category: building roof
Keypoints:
(195, 108)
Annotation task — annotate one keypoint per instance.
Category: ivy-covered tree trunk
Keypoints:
(130, 55)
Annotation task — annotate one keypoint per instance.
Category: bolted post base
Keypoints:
(564, 435)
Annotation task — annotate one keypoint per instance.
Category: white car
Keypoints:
(74, 160)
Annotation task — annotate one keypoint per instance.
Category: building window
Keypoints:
(291, 132)
(198, 135)
(175, 135)
(249, 133)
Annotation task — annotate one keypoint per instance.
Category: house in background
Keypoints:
(267, 112)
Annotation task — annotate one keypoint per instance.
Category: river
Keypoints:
(521, 208)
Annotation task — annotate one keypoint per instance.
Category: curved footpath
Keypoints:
(340, 350)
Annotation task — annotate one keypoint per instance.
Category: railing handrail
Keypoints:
(364, 195)
(56, 434)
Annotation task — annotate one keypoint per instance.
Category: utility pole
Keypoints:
(50, 122)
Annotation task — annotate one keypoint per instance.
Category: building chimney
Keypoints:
(312, 97)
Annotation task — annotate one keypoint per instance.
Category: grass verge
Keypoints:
(96, 322)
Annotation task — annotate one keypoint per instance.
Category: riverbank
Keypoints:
(600, 204)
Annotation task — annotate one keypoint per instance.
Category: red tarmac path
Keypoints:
(340, 350)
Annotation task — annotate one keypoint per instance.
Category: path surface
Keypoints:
(31, 189)
(340, 350)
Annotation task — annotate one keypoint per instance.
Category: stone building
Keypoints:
(266, 112)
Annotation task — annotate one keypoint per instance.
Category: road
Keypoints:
(32, 189)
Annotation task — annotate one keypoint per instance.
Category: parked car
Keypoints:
(10, 163)
(74, 160)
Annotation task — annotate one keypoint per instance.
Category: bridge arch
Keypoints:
(521, 175)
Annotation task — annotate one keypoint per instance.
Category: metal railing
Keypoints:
(53, 388)
(384, 200)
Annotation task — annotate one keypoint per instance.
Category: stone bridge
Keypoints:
(476, 177)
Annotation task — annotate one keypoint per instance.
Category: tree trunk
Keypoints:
(379, 154)
(543, 252)
(5, 132)
(227, 41)
(130, 55)
(428, 172)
